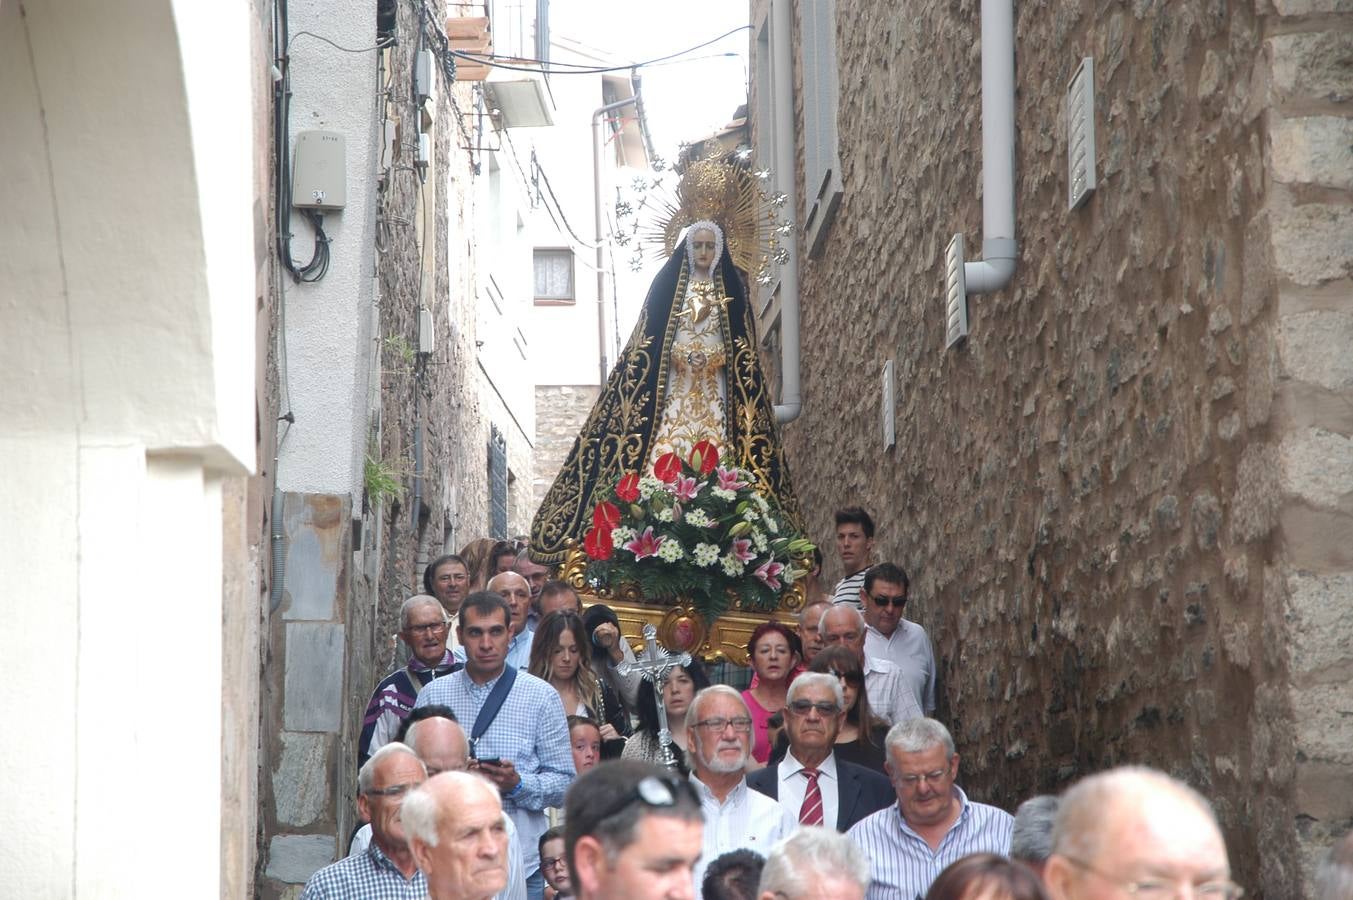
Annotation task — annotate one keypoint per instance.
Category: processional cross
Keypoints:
(654, 665)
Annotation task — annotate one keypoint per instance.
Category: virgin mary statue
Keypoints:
(690, 371)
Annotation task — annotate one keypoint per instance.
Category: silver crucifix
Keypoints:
(654, 665)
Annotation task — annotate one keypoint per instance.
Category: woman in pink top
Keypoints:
(774, 654)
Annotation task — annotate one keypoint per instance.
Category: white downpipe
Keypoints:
(782, 68)
(999, 250)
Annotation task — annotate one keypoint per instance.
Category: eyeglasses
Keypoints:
(912, 781)
(897, 602)
(549, 862)
(1163, 888)
(655, 791)
(741, 724)
(394, 790)
(429, 628)
(803, 707)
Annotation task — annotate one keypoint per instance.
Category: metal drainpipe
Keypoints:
(782, 64)
(999, 250)
(596, 210)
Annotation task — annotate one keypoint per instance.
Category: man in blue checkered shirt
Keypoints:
(525, 751)
(386, 870)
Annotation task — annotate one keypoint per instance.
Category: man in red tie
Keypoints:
(811, 784)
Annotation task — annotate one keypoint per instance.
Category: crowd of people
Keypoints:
(516, 755)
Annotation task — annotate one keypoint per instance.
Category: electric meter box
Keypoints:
(320, 179)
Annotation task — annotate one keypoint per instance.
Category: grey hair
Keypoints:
(720, 690)
(918, 735)
(367, 773)
(846, 608)
(808, 606)
(413, 603)
(1334, 875)
(420, 813)
(798, 864)
(1031, 840)
(816, 679)
(1084, 808)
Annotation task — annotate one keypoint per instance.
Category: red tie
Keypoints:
(811, 811)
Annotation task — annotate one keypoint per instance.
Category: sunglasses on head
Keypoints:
(899, 601)
(652, 791)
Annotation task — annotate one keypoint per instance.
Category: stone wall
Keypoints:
(561, 410)
(1121, 500)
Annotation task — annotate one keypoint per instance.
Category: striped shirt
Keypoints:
(848, 589)
(531, 731)
(368, 876)
(901, 862)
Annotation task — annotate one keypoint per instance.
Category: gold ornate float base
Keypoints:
(680, 628)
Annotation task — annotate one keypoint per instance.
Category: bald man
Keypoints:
(458, 835)
(1136, 831)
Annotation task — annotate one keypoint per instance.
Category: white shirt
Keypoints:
(747, 819)
(794, 787)
(908, 648)
(890, 697)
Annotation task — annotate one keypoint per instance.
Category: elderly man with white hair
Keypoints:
(719, 736)
(424, 628)
(890, 695)
(1135, 831)
(933, 823)
(813, 786)
(458, 835)
(814, 864)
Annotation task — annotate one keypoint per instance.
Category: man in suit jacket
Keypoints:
(813, 786)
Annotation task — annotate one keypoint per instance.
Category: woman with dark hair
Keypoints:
(773, 652)
(987, 876)
(860, 740)
(559, 657)
(682, 685)
(478, 562)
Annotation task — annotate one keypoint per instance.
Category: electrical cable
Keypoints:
(579, 69)
(319, 37)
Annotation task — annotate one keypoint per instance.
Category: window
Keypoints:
(497, 484)
(554, 277)
(821, 159)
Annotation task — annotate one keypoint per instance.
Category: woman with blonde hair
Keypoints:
(559, 656)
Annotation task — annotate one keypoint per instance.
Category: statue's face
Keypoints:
(702, 249)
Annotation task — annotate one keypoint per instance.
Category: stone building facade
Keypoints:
(1126, 502)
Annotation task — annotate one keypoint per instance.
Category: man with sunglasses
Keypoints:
(1137, 832)
(889, 636)
(387, 867)
(933, 822)
(811, 784)
(632, 832)
(424, 629)
(719, 736)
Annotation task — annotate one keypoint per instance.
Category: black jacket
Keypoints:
(863, 791)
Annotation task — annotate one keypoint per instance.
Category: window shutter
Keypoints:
(498, 484)
(821, 168)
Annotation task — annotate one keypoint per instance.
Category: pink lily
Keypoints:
(742, 550)
(685, 488)
(644, 545)
(728, 479)
(768, 572)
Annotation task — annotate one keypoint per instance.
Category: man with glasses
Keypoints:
(719, 736)
(811, 784)
(387, 868)
(889, 636)
(1137, 832)
(890, 697)
(553, 865)
(933, 823)
(632, 832)
(536, 575)
(423, 627)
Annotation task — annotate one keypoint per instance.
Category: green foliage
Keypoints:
(381, 479)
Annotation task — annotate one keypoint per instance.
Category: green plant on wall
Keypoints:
(381, 479)
(399, 354)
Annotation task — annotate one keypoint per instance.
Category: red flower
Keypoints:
(628, 488)
(704, 457)
(667, 468)
(606, 515)
(597, 543)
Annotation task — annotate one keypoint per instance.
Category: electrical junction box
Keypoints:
(320, 178)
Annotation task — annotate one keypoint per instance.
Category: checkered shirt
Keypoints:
(366, 876)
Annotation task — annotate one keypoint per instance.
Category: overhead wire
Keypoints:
(563, 68)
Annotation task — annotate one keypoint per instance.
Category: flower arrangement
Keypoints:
(695, 529)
